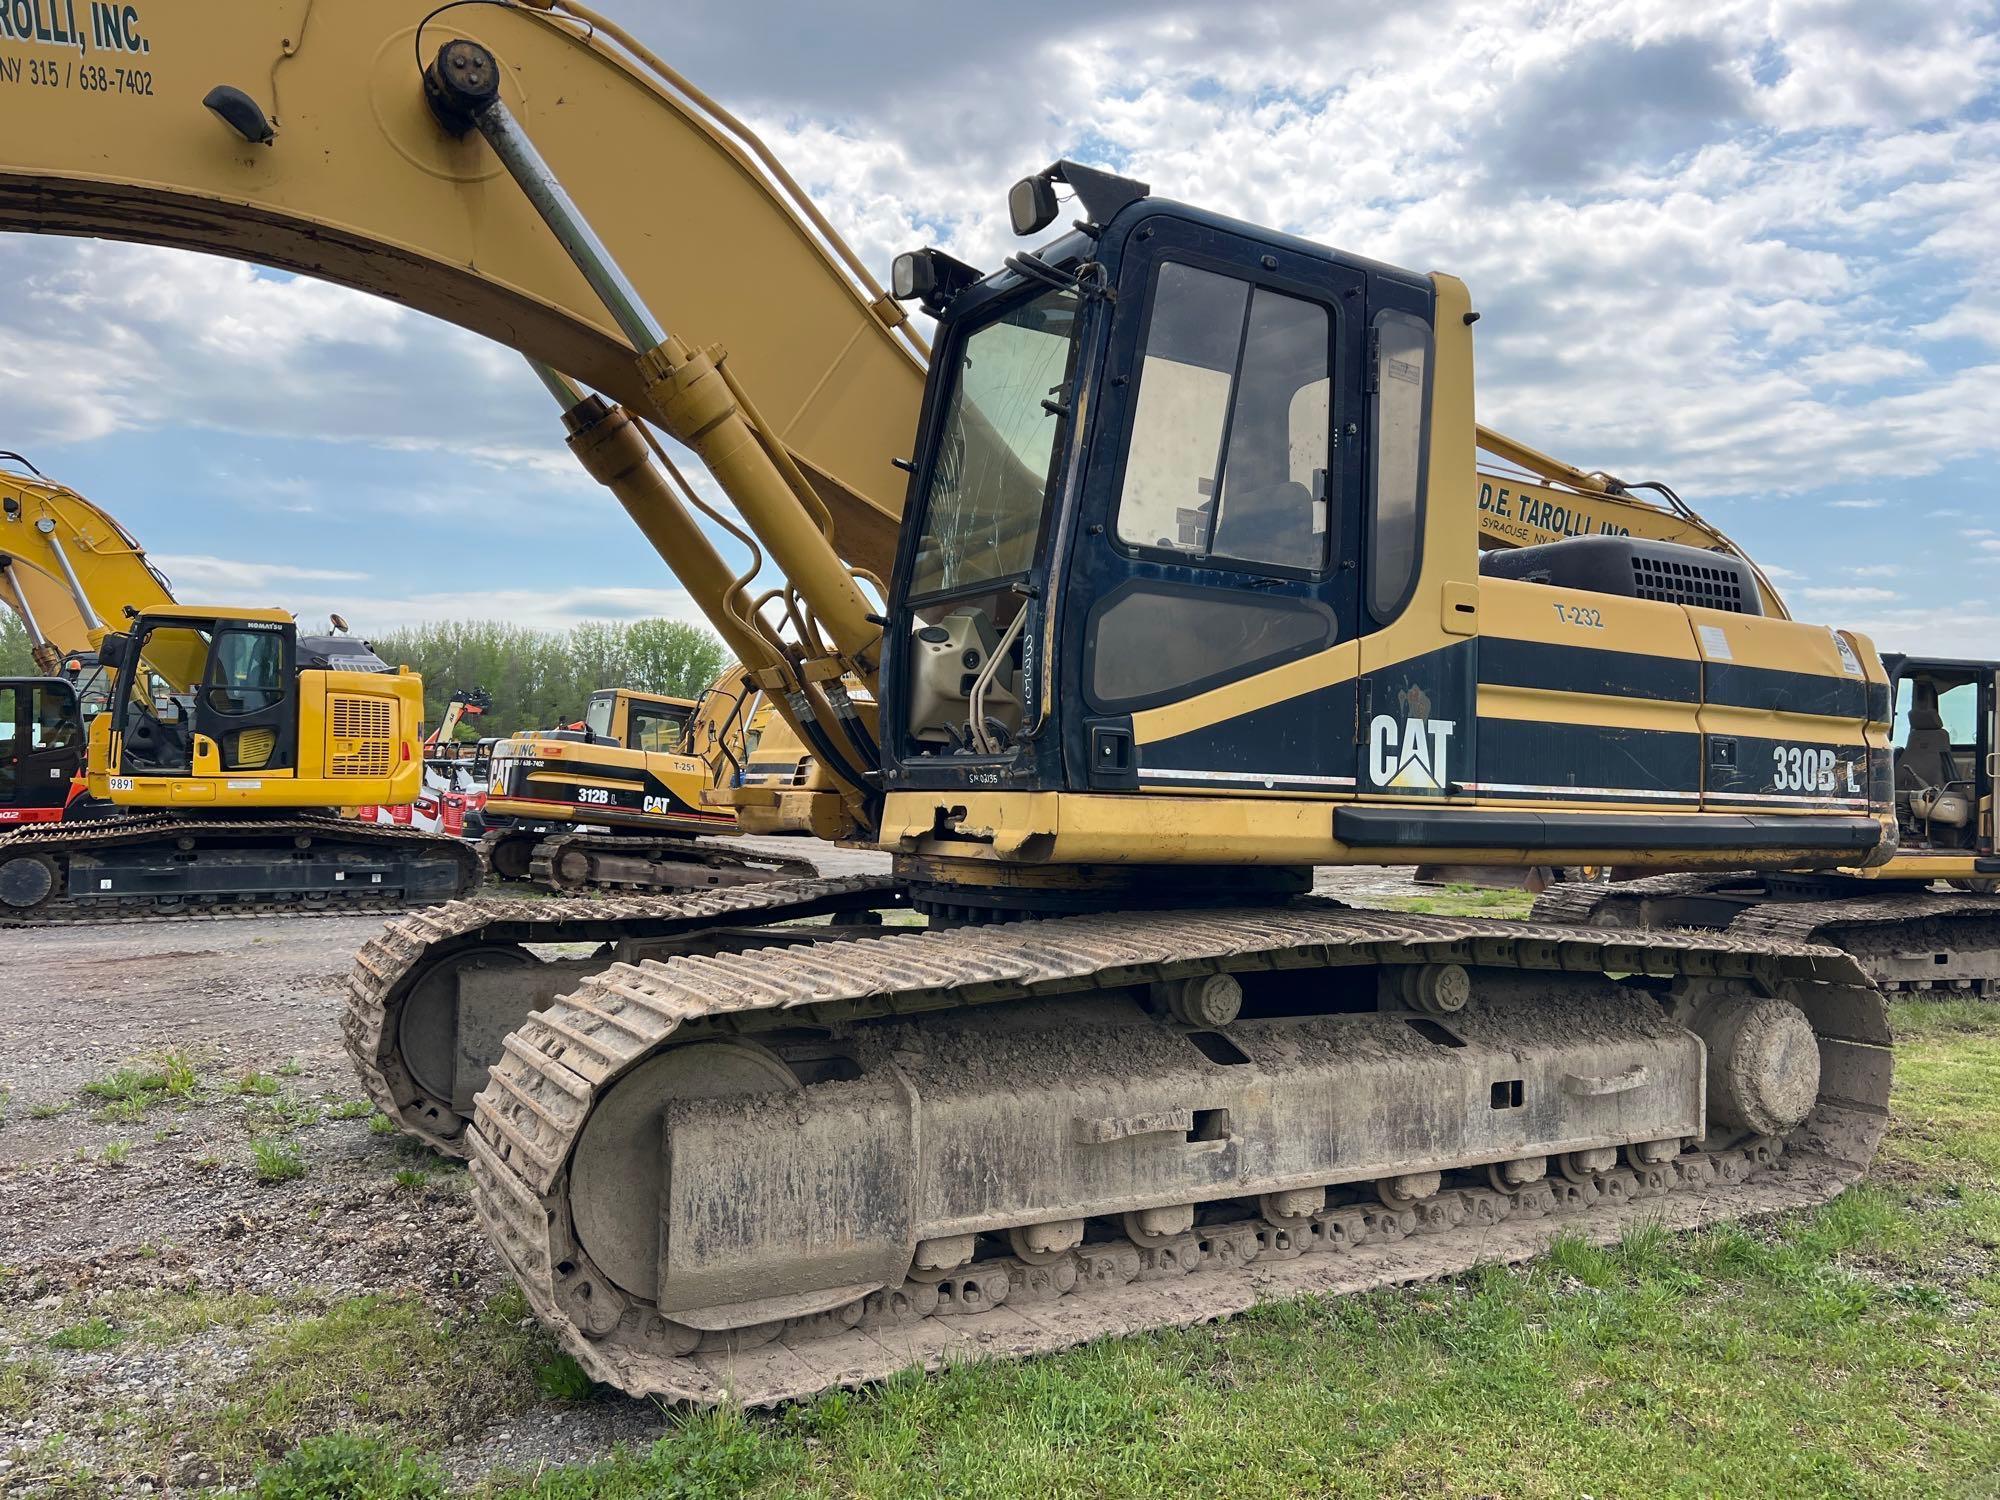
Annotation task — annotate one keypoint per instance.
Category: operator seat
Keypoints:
(1926, 758)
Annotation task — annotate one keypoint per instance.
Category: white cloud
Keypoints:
(195, 574)
(1860, 364)
(1843, 594)
(1856, 504)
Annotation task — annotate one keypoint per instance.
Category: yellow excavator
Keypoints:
(619, 803)
(209, 782)
(1162, 576)
(1910, 935)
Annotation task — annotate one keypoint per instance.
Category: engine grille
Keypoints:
(361, 727)
(1674, 581)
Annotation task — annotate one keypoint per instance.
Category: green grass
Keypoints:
(342, 1466)
(22, 1382)
(133, 1090)
(351, 1109)
(381, 1125)
(409, 1179)
(261, 1084)
(277, 1161)
(290, 1068)
(50, 1111)
(382, 1370)
(1853, 1350)
(92, 1333)
(115, 1153)
(1459, 901)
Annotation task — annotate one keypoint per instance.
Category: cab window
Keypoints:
(657, 727)
(597, 717)
(53, 726)
(1402, 390)
(1231, 425)
(246, 671)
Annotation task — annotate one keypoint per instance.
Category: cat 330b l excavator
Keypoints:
(1162, 576)
(228, 741)
(1891, 915)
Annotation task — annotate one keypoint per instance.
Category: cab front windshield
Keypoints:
(996, 446)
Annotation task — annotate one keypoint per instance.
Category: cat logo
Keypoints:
(1412, 754)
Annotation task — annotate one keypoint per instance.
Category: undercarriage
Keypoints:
(757, 1145)
(1909, 939)
(567, 860)
(145, 866)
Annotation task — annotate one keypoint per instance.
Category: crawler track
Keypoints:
(571, 862)
(1907, 941)
(406, 954)
(560, 1065)
(235, 838)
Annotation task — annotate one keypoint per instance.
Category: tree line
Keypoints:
(541, 678)
(536, 678)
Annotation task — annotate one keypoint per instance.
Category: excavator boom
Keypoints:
(69, 570)
(399, 208)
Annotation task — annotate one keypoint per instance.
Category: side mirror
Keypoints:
(912, 276)
(115, 652)
(1031, 204)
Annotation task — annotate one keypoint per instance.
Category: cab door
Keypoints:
(41, 748)
(1212, 594)
(245, 705)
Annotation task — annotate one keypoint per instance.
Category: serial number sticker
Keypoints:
(1715, 642)
(1849, 662)
(121, 783)
(243, 786)
(596, 796)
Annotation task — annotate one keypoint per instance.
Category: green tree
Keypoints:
(17, 659)
(538, 678)
(671, 656)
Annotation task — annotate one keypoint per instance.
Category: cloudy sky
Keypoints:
(1746, 248)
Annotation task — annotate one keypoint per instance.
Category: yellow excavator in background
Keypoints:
(228, 740)
(620, 802)
(1906, 932)
(1163, 580)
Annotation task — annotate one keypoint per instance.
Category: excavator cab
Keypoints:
(1944, 753)
(652, 722)
(238, 711)
(41, 748)
(1164, 453)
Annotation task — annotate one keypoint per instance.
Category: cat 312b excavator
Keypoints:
(1162, 577)
(621, 802)
(226, 744)
(1892, 916)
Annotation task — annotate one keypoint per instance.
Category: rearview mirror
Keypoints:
(115, 651)
(1031, 204)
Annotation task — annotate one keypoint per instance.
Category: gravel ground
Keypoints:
(157, 1220)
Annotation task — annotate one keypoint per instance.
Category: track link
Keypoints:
(572, 862)
(389, 969)
(1911, 942)
(562, 1062)
(55, 842)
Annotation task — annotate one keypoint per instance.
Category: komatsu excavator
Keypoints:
(1891, 916)
(621, 803)
(1162, 576)
(226, 742)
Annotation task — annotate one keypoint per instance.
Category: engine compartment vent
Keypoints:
(1633, 568)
